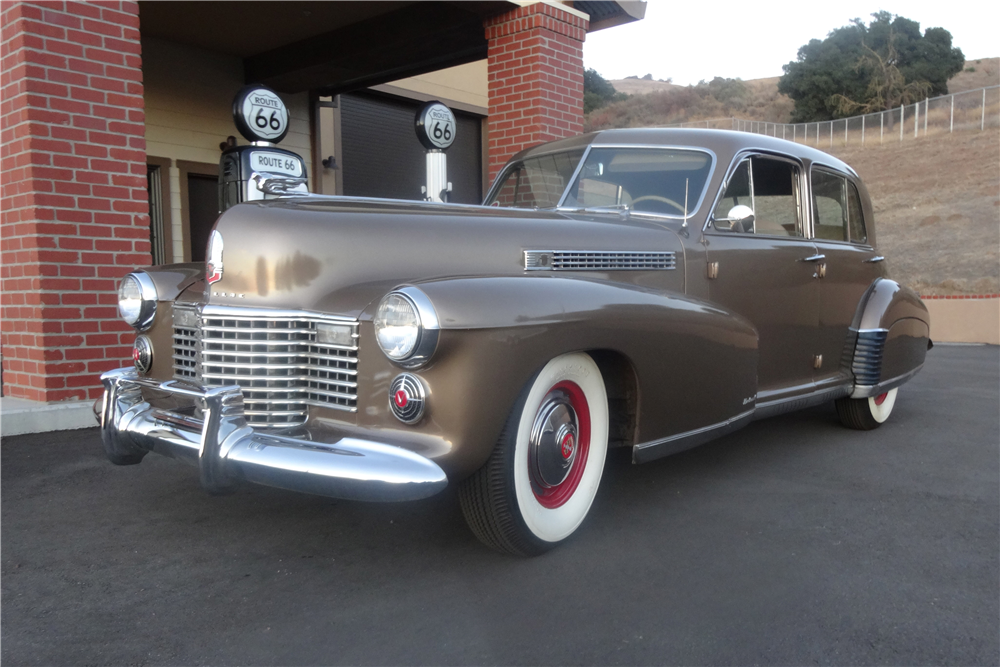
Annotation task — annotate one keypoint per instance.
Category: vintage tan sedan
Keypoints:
(649, 289)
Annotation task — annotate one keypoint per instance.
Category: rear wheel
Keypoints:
(538, 485)
(866, 414)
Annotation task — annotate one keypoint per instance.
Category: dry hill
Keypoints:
(937, 209)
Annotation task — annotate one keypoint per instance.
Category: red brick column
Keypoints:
(535, 78)
(74, 205)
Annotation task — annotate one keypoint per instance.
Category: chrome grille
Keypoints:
(598, 260)
(274, 356)
(867, 365)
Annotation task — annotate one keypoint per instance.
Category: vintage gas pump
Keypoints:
(435, 125)
(260, 170)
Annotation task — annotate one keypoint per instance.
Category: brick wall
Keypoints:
(74, 211)
(535, 79)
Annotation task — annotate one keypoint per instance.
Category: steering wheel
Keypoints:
(660, 199)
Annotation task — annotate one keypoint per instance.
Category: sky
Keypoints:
(690, 41)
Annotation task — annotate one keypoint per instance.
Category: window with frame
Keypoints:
(537, 182)
(836, 206)
(769, 187)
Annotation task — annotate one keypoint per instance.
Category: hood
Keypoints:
(338, 255)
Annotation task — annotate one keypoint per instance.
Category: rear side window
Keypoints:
(836, 206)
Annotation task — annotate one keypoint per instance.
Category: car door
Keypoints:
(849, 266)
(766, 271)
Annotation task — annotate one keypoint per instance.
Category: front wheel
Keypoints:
(537, 486)
(865, 414)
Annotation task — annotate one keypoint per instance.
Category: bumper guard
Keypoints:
(227, 450)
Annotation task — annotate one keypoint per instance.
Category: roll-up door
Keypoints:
(383, 158)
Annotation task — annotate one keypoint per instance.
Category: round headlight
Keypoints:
(137, 300)
(397, 326)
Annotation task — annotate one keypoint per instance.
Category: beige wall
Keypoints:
(964, 320)
(189, 95)
(465, 87)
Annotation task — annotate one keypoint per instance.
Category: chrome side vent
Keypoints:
(598, 260)
(867, 364)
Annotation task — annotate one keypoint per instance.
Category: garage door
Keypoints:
(383, 158)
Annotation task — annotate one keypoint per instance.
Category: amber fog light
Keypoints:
(407, 398)
(142, 354)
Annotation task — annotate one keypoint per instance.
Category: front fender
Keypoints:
(893, 328)
(695, 364)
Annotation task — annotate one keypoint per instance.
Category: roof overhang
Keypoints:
(333, 47)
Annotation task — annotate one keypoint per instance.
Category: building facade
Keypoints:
(115, 113)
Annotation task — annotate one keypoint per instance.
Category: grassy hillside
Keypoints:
(655, 103)
(937, 209)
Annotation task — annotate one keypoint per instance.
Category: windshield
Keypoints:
(537, 182)
(651, 180)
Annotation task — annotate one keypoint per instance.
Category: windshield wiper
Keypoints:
(621, 209)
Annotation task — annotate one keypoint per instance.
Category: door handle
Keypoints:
(814, 258)
(873, 260)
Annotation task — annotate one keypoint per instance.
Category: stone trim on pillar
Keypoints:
(75, 210)
(535, 78)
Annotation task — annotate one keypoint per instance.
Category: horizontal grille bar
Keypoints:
(276, 360)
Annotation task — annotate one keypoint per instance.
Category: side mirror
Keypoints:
(740, 219)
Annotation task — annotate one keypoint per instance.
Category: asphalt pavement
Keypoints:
(792, 541)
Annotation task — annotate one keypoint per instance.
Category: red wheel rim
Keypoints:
(557, 496)
(880, 399)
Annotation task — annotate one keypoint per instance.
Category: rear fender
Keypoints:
(893, 334)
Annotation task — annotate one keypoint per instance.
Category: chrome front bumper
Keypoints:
(226, 450)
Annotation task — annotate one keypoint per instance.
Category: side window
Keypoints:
(829, 206)
(836, 205)
(769, 186)
(855, 217)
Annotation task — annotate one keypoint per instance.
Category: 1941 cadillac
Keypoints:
(649, 289)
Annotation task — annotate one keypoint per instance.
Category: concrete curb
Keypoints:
(18, 416)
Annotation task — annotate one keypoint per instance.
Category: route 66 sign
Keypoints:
(435, 125)
(260, 114)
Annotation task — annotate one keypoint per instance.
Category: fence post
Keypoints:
(982, 123)
(951, 123)
(902, 112)
(862, 131)
(927, 112)
(831, 135)
(782, 130)
(881, 127)
(845, 133)
(916, 118)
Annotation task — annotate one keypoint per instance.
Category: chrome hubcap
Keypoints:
(553, 444)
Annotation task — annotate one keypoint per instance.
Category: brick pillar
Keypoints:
(75, 212)
(535, 78)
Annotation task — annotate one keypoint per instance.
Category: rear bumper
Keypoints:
(226, 450)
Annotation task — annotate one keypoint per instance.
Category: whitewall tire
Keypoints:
(865, 414)
(539, 483)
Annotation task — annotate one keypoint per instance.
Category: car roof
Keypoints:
(724, 143)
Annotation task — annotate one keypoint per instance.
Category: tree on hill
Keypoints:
(598, 91)
(869, 68)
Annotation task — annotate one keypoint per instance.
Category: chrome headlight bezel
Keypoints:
(427, 325)
(139, 316)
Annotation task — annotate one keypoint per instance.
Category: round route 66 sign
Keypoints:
(435, 124)
(260, 114)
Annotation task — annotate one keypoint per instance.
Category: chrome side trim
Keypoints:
(598, 260)
(861, 391)
(649, 451)
(251, 313)
(782, 405)
(867, 361)
(227, 450)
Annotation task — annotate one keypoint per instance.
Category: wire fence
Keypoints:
(971, 110)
